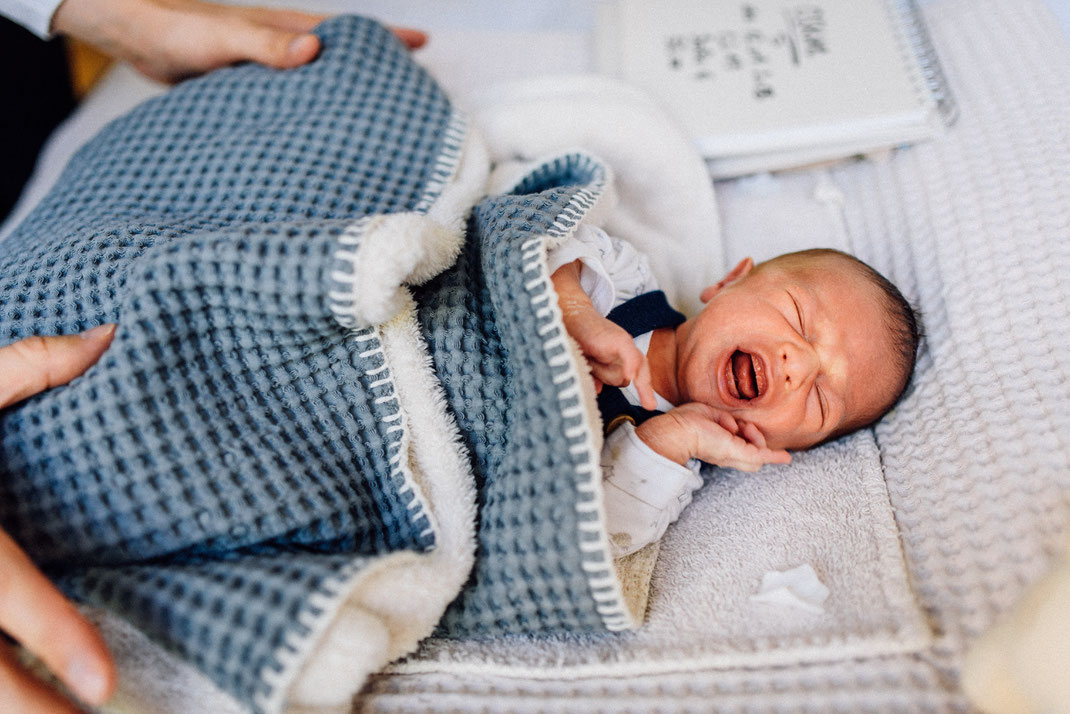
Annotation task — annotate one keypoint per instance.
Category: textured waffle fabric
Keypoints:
(225, 466)
(509, 385)
(236, 459)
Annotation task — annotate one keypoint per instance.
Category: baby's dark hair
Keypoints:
(902, 320)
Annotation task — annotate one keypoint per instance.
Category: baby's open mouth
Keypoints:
(743, 380)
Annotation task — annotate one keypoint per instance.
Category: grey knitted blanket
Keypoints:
(247, 465)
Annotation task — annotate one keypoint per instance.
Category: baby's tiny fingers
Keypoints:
(779, 456)
(644, 387)
(755, 461)
(754, 435)
(750, 458)
(608, 373)
(727, 422)
(631, 361)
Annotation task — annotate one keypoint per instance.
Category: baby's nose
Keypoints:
(798, 365)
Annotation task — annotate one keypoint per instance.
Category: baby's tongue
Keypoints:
(743, 369)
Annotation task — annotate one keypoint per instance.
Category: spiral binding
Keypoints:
(933, 73)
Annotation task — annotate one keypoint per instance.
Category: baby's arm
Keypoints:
(609, 349)
(698, 431)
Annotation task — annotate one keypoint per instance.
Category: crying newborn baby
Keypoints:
(787, 354)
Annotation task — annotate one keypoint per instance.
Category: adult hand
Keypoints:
(32, 610)
(169, 40)
(699, 431)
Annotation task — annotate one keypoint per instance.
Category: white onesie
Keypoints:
(644, 491)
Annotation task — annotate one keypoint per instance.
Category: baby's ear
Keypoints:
(737, 273)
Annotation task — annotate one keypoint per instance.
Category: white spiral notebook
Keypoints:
(764, 85)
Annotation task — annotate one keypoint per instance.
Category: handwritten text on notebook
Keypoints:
(760, 46)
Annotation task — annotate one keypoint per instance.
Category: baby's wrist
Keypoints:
(584, 324)
(667, 435)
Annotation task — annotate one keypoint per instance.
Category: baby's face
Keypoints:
(797, 347)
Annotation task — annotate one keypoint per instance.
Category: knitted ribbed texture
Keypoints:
(235, 434)
(975, 226)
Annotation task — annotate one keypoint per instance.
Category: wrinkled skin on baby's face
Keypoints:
(798, 347)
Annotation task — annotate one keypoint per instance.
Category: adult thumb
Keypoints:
(242, 39)
(35, 364)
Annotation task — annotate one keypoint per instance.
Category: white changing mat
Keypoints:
(829, 509)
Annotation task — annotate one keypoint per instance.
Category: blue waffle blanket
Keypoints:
(335, 363)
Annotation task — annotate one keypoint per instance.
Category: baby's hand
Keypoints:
(699, 431)
(613, 357)
(609, 349)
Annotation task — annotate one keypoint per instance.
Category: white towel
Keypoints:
(829, 509)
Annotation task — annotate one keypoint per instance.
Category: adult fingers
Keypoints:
(35, 364)
(239, 39)
(281, 19)
(281, 41)
(412, 38)
(36, 614)
(31, 609)
(20, 691)
(296, 21)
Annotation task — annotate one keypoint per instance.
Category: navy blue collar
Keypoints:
(638, 316)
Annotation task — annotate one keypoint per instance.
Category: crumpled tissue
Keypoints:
(798, 588)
